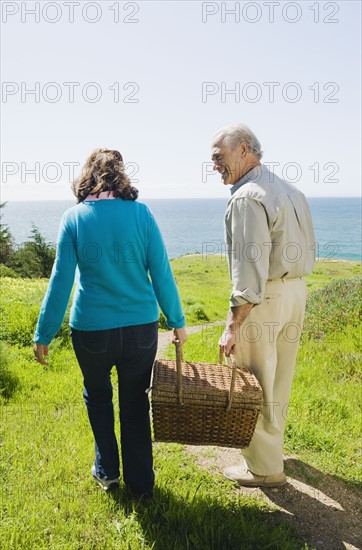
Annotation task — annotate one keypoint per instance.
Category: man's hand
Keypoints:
(179, 336)
(40, 351)
(236, 317)
(227, 342)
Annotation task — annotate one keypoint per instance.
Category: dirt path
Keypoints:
(326, 513)
(164, 338)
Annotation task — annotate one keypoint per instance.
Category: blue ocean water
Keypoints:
(196, 225)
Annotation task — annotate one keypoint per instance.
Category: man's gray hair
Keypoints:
(236, 133)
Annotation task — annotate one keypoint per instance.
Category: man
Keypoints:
(270, 246)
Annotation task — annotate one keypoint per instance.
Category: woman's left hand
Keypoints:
(40, 351)
(179, 336)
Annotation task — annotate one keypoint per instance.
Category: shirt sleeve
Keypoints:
(61, 281)
(162, 278)
(248, 254)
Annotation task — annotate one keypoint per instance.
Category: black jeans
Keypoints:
(132, 350)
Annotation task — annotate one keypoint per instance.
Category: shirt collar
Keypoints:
(254, 172)
(103, 195)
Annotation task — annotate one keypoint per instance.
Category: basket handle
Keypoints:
(179, 371)
(232, 364)
(230, 361)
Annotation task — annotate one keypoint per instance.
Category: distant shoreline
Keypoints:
(141, 199)
(326, 260)
(196, 225)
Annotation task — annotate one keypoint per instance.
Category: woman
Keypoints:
(115, 244)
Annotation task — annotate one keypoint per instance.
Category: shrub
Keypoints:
(332, 309)
(162, 322)
(6, 241)
(18, 324)
(21, 300)
(195, 313)
(9, 383)
(6, 271)
(34, 258)
(200, 314)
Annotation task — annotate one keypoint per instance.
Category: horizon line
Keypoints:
(177, 198)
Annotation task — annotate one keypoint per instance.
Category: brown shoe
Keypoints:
(248, 479)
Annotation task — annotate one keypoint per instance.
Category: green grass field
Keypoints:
(205, 286)
(48, 499)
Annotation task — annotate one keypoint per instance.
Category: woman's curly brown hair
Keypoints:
(104, 171)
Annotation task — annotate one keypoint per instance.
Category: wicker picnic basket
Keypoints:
(203, 404)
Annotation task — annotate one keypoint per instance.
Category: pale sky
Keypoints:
(156, 80)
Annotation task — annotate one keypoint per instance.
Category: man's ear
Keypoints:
(243, 148)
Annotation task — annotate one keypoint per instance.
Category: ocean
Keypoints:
(196, 225)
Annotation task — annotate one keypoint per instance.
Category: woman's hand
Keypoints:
(40, 351)
(179, 336)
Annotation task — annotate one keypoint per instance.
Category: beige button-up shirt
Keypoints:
(268, 234)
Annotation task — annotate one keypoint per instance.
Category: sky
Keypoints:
(156, 80)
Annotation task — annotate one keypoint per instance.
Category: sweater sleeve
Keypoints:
(61, 281)
(162, 278)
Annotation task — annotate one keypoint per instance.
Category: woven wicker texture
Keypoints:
(203, 413)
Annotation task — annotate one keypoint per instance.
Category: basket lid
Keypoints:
(203, 382)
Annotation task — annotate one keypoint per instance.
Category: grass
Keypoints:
(48, 499)
(325, 410)
(203, 283)
(205, 287)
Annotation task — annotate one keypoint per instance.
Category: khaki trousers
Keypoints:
(268, 345)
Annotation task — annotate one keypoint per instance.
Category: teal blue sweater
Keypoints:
(115, 249)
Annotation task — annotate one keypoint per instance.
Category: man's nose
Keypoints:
(216, 165)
